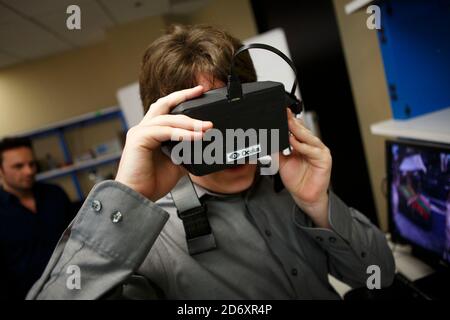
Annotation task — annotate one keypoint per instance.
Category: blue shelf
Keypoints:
(60, 128)
(60, 172)
(85, 119)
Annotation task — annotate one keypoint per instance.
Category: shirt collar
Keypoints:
(202, 191)
(6, 196)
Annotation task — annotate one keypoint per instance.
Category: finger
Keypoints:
(304, 135)
(176, 134)
(153, 136)
(301, 121)
(292, 115)
(180, 121)
(165, 104)
(306, 149)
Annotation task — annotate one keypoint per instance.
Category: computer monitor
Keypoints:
(419, 196)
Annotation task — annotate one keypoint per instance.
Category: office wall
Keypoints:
(365, 67)
(43, 91)
(58, 87)
(235, 16)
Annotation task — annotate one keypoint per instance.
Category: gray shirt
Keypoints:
(267, 248)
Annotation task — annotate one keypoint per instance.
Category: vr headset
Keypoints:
(256, 106)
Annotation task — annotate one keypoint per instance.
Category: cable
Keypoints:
(234, 85)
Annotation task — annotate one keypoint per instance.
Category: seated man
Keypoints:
(127, 240)
(33, 217)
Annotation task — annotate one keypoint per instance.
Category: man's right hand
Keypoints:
(143, 167)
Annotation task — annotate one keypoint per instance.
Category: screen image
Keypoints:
(419, 182)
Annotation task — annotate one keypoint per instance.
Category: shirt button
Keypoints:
(320, 239)
(294, 272)
(116, 217)
(268, 233)
(332, 239)
(96, 205)
(363, 254)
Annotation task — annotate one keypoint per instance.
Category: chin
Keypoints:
(229, 181)
(27, 185)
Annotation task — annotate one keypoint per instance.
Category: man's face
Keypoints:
(18, 168)
(231, 180)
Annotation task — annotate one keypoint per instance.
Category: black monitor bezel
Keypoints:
(428, 256)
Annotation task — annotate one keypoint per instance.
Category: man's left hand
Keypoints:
(306, 171)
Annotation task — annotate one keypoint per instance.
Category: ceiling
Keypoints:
(31, 29)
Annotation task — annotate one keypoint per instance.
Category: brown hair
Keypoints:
(173, 61)
(9, 143)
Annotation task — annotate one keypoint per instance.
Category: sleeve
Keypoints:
(107, 241)
(352, 245)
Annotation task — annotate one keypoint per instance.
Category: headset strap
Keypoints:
(268, 48)
(193, 213)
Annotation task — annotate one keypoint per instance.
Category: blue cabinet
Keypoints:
(415, 46)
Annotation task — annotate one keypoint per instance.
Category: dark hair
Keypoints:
(10, 143)
(173, 61)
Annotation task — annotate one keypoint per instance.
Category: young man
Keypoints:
(33, 217)
(128, 241)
